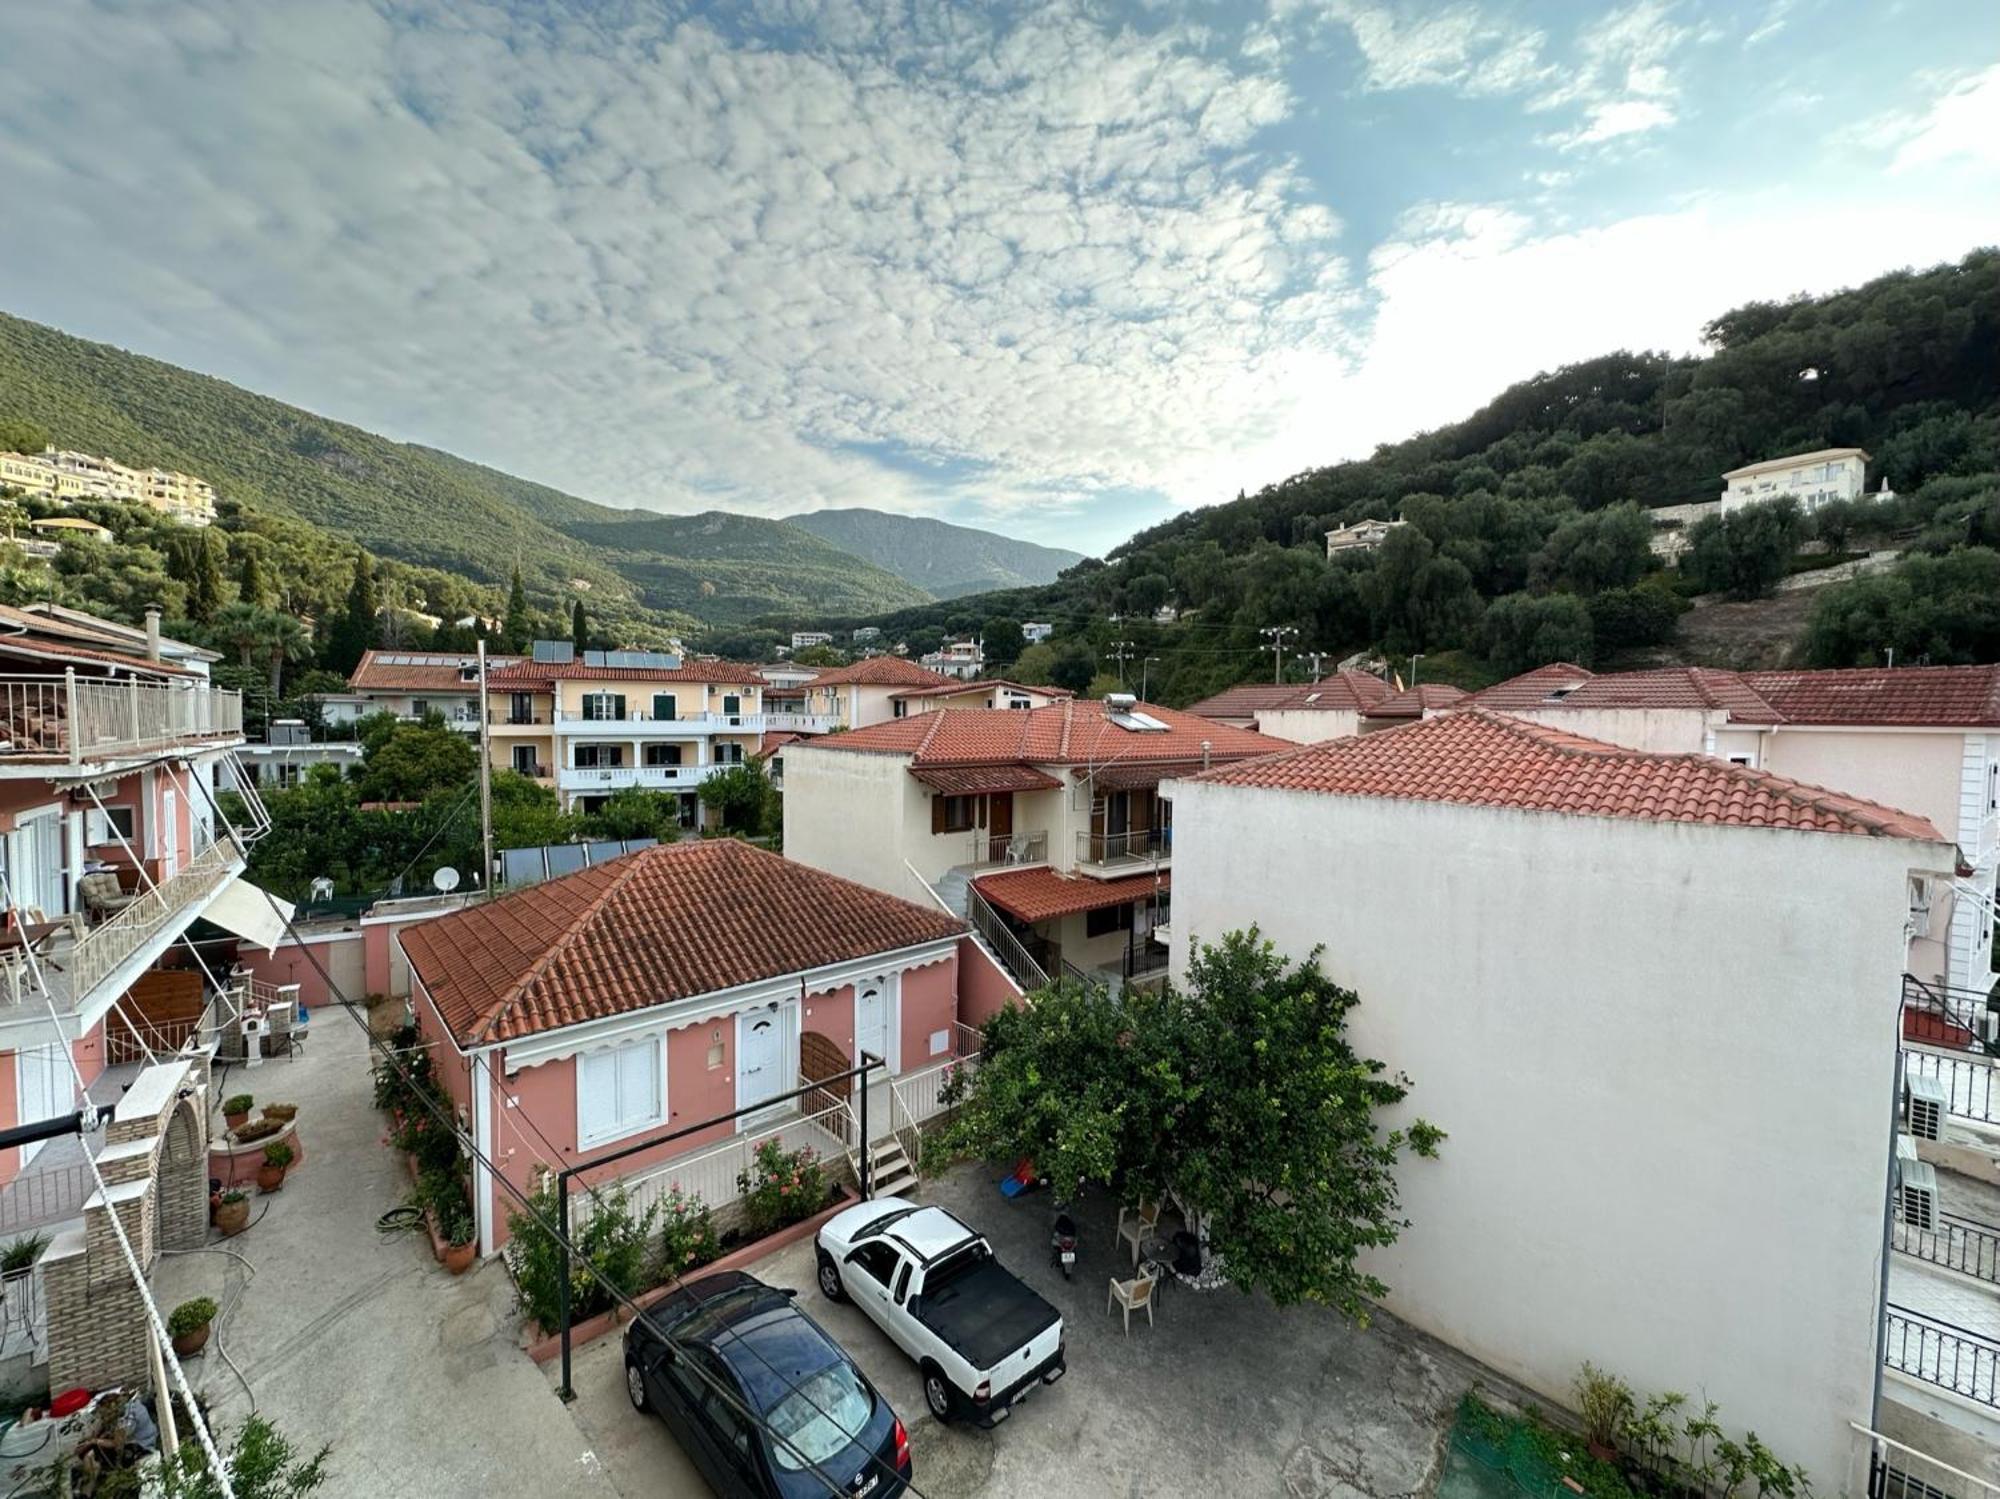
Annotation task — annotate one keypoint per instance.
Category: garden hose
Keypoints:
(399, 1220)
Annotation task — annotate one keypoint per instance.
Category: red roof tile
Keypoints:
(1947, 696)
(660, 925)
(1348, 690)
(980, 684)
(422, 671)
(1041, 894)
(884, 671)
(1675, 687)
(971, 780)
(1531, 689)
(1476, 757)
(1414, 702)
(1072, 732)
(722, 673)
(1244, 700)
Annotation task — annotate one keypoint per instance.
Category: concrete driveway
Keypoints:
(1225, 1394)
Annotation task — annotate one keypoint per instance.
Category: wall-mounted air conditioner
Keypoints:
(1924, 1107)
(1906, 1154)
(1916, 1196)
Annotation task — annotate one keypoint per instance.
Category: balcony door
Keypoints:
(36, 868)
(170, 832)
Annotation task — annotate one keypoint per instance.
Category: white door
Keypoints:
(47, 1088)
(760, 1057)
(37, 875)
(871, 1019)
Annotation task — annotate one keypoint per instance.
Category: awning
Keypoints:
(245, 909)
(973, 780)
(1119, 777)
(1033, 895)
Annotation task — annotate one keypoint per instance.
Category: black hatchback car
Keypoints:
(812, 1417)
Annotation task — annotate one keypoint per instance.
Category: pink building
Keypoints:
(674, 987)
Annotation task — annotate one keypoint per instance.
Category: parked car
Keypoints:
(981, 1339)
(728, 1344)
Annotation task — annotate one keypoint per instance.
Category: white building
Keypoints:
(804, 638)
(963, 659)
(1654, 1002)
(1362, 535)
(288, 751)
(865, 634)
(1813, 479)
(1036, 633)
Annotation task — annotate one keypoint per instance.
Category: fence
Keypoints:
(104, 947)
(1958, 1244)
(1968, 1083)
(1013, 956)
(88, 717)
(1010, 848)
(44, 1195)
(1896, 1471)
(1946, 1016)
(1942, 1354)
(710, 1173)
(1134, 845)
(24, 1317)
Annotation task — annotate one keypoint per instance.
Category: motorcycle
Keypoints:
(1062, 1242)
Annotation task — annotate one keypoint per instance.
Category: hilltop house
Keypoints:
(1813, 479)
(1653, 1000)
(1041, 824)
(1364, 535)
(674, 986)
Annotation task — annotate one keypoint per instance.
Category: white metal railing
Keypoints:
(1134, 846)
(89, 718)
(968, 1037)
(103, 947)
(1015, 958)
(1010, 848)
(801, 723)
(1889, 1469)
(920, 1094)
(710, 1172)
(622, 777)
(633, 720)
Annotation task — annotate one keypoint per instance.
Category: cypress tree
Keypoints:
(250, 582)
(516, 628)
(579, 627)
(205, 589)
(354, 632)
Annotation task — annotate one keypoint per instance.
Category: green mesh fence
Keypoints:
(1491, 1456)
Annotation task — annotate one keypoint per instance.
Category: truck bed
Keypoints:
(985, 1315)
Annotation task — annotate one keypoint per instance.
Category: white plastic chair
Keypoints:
(1132, 1296)
(1144, 1219)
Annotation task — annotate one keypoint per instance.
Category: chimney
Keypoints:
(1204, 754)
(152, 632)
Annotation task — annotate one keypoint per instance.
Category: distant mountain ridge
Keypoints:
(426, 507)
(945, 560)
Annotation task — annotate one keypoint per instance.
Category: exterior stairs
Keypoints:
(951, 889)
(890, 1170)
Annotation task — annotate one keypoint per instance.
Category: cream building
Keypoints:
(1813, 479)
(63, 475)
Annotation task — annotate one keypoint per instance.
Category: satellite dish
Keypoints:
(446, 880)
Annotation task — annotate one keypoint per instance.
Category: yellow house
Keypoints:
(71, 525)
(593, 729)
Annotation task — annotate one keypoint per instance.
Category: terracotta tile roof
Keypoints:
(722, 673)
(1344, 690)
(1941, 695)
(1076, 731)
(884, 671)
(42, 638)
(1414, 702)
(422, 671)
(1675, 687)
(1244, 700)
(1041, 894)
(776, 739)
(664, 924)
(953, 687)
(1531, 689)
(1480, 758)
(971, 780)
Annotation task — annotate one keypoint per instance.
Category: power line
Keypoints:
(471, 1148)
(1276, 635)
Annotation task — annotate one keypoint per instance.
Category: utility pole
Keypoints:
(1145, 676)
(1120, 649)
(1276, 635)
(1314, 658)
(485, 780)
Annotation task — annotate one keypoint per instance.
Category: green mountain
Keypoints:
(944, 560)
(423, 507)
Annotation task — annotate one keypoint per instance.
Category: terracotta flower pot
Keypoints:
(458, 1257)
(232, 1217)
(1602, 1452)
(188, 1344)
(270, 1178)
(236, 1120)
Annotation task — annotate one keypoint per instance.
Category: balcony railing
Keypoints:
(626, 777)
(1013, 955)
(1134, 846)
(1962, 1244)
(1946, 1016)
(88, 719)
(1942, 1354)
(518, 718)
(1010, 848)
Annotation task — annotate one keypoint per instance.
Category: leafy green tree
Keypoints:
(240, 627)
(205, 582)
(260, 1464)
(1610, 548)
(516, 629)
(355, 631)
(1631, 618)
(818, 655)
(315, 831)
(415, 759)
(1072, 668)
(1289, 1169)
(636, 813)
(1004, 642)
(1035, 663)
(1944, 610)
(20, 436)
(741, 797)
(281, 641)
(250, 580)
(1746, 552)
(1147, 592)
(1524, 630)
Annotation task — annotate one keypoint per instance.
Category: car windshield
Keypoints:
(826, 1412)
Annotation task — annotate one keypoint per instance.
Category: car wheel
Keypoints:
(937, 1394)
(635, 1388)
(829, 1278)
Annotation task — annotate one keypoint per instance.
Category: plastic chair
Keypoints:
(1132, 1296)
(1144, 1218)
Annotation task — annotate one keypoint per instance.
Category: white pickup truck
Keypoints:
(981, 1339)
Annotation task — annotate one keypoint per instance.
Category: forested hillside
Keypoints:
(944, 560)
(1528, 535)
(420, 506)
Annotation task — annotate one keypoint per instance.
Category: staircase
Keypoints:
(951, 890)
(890, 1171)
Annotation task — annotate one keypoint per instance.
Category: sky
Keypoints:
(1060, 270)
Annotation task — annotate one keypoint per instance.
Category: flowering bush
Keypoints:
(782, 1186)
(687, 1234)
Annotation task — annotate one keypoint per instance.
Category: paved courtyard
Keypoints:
(1225, 1394)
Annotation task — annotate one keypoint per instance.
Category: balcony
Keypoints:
(1109, 854)
(89, 721)
(696, 725)
(599, 780)
(89, 966)
(1009, 849)
(519, 718)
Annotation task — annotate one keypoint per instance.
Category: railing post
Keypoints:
(132, 708)
(70, 723)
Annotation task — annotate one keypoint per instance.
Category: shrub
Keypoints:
(23, 1252)
(284, 1113)
(261, 1464)
(235, 1195)
(782, 1186)
(612, 1250)
(238, 1103)
(191, 1316)
(279, 1155)
(1605, 1403)
(257, 1129)
(687, 1233)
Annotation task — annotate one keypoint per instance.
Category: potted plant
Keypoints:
(1605, 1403)
(188, 1326)
(232, 1212)
(236, 1110)
(460, 1232)
(271, 1175)
(19, 1255)
(284, 1113)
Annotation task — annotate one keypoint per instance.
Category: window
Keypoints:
(902, 1285)
(599, 756)
(729, 754)
(663, 754)
(107, 825)
(524, 759)
(664, 706)
(953, 814)
(878, 1260)
(1111, 919)
(900, 709)
(288, 774)
(603, 707)
(420, 707)
(732, 704)
(618, 1092)
(520, 707)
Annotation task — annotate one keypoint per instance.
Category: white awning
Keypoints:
(244, 909)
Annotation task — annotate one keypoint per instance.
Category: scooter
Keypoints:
(1062, 1242)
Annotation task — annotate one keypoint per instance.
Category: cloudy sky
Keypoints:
(1058, 269)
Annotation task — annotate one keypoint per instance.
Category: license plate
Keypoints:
(1069, 1256)
(868, 1487)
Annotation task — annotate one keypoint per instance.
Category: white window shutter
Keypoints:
(596, 1095)
(638, 1090)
